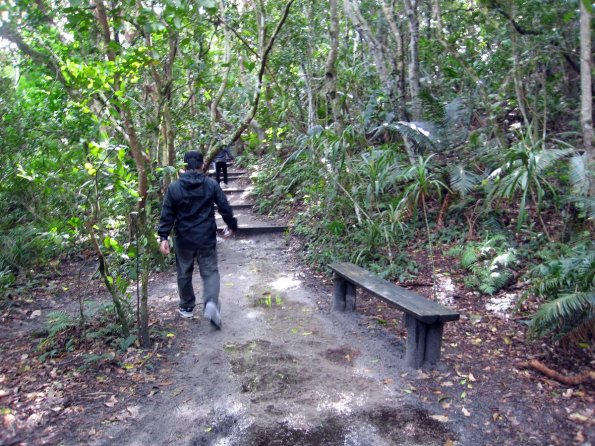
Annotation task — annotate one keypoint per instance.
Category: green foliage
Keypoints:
(490, 263)
(568, 286)
(461, 180)
(526, 174)
(59, 321)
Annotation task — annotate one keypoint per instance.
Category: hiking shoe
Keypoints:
(185, 312)
(212, 313)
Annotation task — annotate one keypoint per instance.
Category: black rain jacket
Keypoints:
(189, 209)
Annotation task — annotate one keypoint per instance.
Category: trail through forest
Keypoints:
(283, 370)
(286, 370)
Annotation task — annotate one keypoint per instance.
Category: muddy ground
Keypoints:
(284, 370)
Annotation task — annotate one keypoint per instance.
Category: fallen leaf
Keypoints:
(170, 335)
(422, 375)
(35, 314)
(578, 417)
(111, 402)
(177, 391)
(448, 442)
(471, 377)
(133, 411)
(387, 381)
(441, 418)
(466, 412)
(446, 384)
(165, 383)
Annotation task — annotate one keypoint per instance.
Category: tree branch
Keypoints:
(250, 115)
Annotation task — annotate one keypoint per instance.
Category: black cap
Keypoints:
(193, 160)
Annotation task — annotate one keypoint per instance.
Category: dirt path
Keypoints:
(280, 372)
(284, 370)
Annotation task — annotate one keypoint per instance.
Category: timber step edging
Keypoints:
(255, 230)
(231, 190)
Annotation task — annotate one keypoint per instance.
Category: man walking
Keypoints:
(189, 209)
(221, 160)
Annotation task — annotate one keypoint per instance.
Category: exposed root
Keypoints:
(569, 380)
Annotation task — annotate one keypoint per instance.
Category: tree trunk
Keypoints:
(307, 78)
(224, 80)
(414, 82)
(587, 92)
(378, 52)
(330, 71)
(399, 66)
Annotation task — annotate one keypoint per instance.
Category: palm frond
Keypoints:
(461, 180)
(579, 176)
(586, 205)
(423, 134)
(564, 313)
(544, 159)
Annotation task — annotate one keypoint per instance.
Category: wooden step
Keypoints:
(256, 230)
(238, 206)
(242, 206)
(236, 190)
(230, 175)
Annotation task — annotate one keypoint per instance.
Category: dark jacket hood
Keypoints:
(192, 180)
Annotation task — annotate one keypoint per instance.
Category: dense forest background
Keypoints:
(459, 129)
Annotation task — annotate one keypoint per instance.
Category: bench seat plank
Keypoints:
(425, 310)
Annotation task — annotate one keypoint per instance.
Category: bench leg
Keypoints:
(339, 293)
(433, 343)
(350, 297)
(416, 343)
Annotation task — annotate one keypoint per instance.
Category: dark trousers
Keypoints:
(221, 166)
(209, 272)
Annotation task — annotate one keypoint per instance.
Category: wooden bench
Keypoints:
(425, 318)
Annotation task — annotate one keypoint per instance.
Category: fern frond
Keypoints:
(487, 287)
(500, 279)
(455, 251)
(59, 321)
(469, 257)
